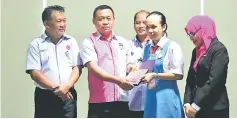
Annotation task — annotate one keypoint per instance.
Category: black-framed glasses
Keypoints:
(191, 34)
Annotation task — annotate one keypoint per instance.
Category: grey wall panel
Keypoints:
(21, 22)
(224, 14)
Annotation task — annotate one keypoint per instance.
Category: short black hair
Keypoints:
(46, 15)
(134, 19)
(102, 7)
(163, 18)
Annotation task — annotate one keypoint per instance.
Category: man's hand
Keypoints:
(129, 68)
(54, 87)
(62, 89)
(66, 97)
(190, 111)
(125, 84)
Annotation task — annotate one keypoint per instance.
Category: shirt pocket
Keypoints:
(69, 57)
(44, 56)
(166, 64)
(123, 57)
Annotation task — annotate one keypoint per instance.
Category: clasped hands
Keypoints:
(62, 91)
(190, 111)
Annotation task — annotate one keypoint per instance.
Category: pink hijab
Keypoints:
(206, 33)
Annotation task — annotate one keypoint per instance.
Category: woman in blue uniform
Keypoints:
(163, 98)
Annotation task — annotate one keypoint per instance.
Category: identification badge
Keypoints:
(159, 56)
(67, 54)
(152, 57)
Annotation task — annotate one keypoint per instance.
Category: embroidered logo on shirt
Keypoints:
(139, 60)
(121, 46)
(68, 47)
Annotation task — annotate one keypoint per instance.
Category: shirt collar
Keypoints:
(162, 42)
(136, 39)
(45, 37)
(99, 36)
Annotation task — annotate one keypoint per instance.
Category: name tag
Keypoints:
(42, 50)
(155, 56)
(152, 57)
(159, 56)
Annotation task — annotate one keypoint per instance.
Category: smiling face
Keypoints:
(139, 24)
(56, 25)
(154, 28)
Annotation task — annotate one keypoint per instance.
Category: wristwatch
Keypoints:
(157, 76)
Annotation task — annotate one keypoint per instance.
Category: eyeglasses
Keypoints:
(192, 34)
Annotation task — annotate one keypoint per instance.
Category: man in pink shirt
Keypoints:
(106, 56)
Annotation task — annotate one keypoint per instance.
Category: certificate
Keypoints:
(135, 76)
(148, 64)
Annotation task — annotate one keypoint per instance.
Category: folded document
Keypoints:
(138, 73)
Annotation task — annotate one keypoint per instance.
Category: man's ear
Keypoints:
(46, 24)
(93, 20)
(114, 21)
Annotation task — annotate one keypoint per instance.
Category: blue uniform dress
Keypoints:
(164, 100)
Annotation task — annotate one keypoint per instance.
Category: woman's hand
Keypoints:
(190, 111)
(148, 77)
(150, 80)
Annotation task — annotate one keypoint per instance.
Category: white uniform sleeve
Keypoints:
(88, 52)
(33, 57)
(76, 54)
(176, 59)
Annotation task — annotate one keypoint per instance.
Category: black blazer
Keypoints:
(206, 87)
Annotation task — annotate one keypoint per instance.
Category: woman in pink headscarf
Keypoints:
(205, 92)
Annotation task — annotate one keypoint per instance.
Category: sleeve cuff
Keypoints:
(177, 71)
(197, 108)
(87, 60)
(186, 104)
(31, 69)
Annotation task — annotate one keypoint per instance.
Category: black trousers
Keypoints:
(136, 114)
(108, 110)
(224, 113)
(49, 105)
